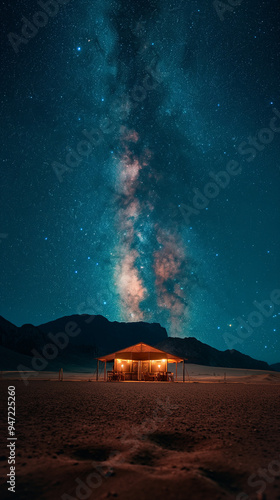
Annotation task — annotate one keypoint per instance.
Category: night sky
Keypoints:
(116, 116)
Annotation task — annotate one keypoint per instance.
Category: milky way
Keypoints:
(151, 254)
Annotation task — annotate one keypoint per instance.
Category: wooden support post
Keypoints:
(176, 370)
(61, 374)
(184, 371)
(138, 375)
(105, 372)
(97, 369)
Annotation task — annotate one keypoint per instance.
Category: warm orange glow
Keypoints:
(159, 366)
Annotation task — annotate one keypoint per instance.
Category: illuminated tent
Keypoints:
(139, 362)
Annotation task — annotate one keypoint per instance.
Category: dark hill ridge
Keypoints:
(95, 332)
(106, 336)
(20, 339)
(97, 336)
(202, 354)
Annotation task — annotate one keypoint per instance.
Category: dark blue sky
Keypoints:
(115, 119)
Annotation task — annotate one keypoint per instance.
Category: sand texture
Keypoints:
(144, 440)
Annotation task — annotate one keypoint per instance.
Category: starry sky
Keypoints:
(140, 170)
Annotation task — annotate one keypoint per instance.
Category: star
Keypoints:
(126, 139)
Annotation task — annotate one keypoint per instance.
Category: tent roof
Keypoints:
(142, 352)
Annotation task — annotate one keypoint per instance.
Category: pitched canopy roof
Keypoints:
(141, 352)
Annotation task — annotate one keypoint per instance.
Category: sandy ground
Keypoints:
(88, 440)
(193, 373)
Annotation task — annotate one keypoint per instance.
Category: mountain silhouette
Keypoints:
(78, 339)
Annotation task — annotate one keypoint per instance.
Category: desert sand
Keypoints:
(136, 440)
